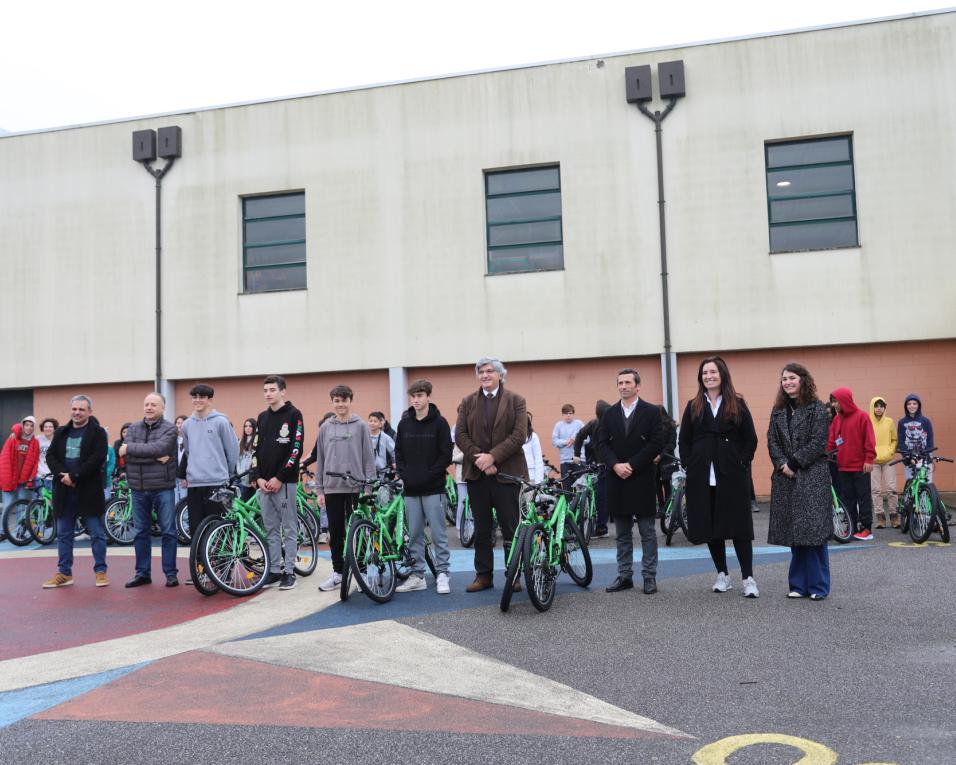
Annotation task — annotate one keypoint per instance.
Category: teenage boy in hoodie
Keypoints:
(276, 453)
(18, 461)
(210, 452)
(343, 446)
(851, 434)
(423, 454)
(914, 432)
(883, 477)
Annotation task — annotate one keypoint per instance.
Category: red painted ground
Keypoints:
(37, 620)
(200, 687)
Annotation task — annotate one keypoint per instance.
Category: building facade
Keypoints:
(375, 235)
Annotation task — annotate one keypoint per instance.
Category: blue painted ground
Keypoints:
(675, 562)
(16, 705)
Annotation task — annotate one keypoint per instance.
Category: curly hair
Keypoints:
(808, 388)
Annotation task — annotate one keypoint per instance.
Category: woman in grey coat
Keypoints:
(801, 515)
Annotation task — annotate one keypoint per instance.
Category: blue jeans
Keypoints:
(21, 492)
(810, 570)
(66, 523)
(164, 502)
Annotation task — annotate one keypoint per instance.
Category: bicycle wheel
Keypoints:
(16, 522)
(306, 556)
(451, 504)
(309, 518)
(940, 524)
(236, 557)
(905, 507)
(345, 589)
(430, 555)
(575, 556)
(921, 517)
(119, 521)
(665, 518)
(198, 571)
(842, 523)
(182, 522)
(42, 523)
(366, 556)
(539, 576)
(682, 512)
(466, 534)
(587, 521)
(514, 567)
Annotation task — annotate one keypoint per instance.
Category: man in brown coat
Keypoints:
(491, 430)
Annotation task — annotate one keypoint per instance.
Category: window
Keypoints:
(523, 210)
(273, 242)
(811, 197)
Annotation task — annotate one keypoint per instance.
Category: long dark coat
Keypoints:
(730, 446)
(88, 478)
(638, 447)
(801, 513)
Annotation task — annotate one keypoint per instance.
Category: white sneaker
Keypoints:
(412, 584)
(331, 583)
(442, 584)
(723, 583)
(323, 538)
(750, 588)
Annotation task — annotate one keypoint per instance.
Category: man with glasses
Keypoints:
(210, 452)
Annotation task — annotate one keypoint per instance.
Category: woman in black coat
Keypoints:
(717, 443)
(801, 514)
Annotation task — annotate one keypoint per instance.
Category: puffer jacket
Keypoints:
(146, 443)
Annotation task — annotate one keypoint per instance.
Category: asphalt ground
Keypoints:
(866, 676)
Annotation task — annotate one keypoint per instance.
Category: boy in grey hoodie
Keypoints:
(210, 452)
(344, 445)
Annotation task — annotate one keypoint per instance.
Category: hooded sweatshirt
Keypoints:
(343, 447)
(854, 431)
(211, 450)
(423, 452)
(885, 431)
(278, 445)
(19, 457)
(914, 433)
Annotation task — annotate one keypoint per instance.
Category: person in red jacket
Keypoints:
(18, 461)
(851, 434)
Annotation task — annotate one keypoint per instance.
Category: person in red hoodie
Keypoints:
(851, 434)
(18, 461)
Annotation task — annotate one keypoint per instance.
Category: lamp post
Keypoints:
(670, 83)
(145, 150)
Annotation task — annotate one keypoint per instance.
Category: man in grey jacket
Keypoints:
(150, 452)
(210, 452)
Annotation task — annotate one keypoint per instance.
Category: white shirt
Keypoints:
(534, 458)
(491, 394)
(714, 408)
(627, 411)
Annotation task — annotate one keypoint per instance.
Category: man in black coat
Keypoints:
(630, 437)
(76, 458)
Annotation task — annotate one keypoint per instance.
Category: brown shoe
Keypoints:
(101, 580)
(480, 583)
(517, 585)
(60, 580)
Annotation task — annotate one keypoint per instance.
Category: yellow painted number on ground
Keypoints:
(813, 753)
(931, 543)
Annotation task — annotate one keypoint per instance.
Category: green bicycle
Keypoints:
(546, 541)
(231, 552)
(921, 508)
(583, 506)
(40, 516)
(451, 494)
(376, 545)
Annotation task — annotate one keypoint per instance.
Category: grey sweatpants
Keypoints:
(418, 510)
(282, 527)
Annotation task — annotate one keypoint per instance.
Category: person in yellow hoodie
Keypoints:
(883, 477)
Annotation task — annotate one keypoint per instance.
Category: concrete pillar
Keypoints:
(397, 396)
(673, 406)
(168, 389)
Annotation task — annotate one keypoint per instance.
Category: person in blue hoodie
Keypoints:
(914, 432)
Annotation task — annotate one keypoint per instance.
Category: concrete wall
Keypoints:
(395, 209)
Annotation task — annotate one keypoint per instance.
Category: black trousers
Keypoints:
(743, 547)
(484, 494)
(338, 509)
(854, 490)
(200, 506)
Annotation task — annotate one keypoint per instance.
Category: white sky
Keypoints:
(65, 63)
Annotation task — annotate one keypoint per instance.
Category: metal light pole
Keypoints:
(670, 82)
(145, 152)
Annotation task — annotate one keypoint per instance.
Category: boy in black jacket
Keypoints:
(276, 455)
(423, 454)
